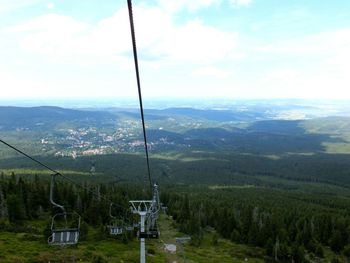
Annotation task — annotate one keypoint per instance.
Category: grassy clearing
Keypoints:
(219, 187)
(337, 148)
(23, 171)
(21, 247)
(222, 252)
(26, 247)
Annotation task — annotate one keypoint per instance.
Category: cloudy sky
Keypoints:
(197, 48)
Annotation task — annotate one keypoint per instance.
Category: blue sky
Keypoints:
(199, 48)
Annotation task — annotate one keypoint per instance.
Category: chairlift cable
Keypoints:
(55, 171)
(28, 156)
(133, 38)
(141, 111)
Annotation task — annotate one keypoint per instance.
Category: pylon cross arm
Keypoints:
(141, 206)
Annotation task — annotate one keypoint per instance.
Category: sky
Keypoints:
(239, 49)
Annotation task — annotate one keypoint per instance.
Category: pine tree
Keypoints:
(15, 207)
(276, 248)
(3, 206)
(336, 242)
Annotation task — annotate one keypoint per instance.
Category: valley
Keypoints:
(238, 184)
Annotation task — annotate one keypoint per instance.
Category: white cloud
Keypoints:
(49, 22)
(285, 75)
(14, 86)
(320, 85)
(328, 42)
(239, 3)
(280, 83)
(48, 34)
(211, 71)
(50, 5)
(173, 6)
(157, 37)
(313, 83)
(197, 43)
(313, 66)
(10, 5)
(74, 58)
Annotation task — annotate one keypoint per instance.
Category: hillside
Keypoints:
(237, 184)
(184, 146)
(46, 117)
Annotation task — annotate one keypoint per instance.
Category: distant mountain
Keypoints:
(277, 127)
(62, 130)
(209, 133)
(328, 125)
(212, 115)
(15, 117)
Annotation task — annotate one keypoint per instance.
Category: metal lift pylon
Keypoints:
(148, 211)
(142, 208)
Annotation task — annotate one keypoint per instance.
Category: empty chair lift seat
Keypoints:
(64, 237)
(115, 230)
(152, 233)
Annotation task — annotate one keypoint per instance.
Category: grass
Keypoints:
(28, 247)
(30, 171)
(337, 148)
(15, 248)
(224, 251)
(218, 187)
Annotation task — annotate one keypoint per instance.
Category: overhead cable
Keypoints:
(133, 38)
(56, 172)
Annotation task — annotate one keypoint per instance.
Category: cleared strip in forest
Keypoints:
(19, 171)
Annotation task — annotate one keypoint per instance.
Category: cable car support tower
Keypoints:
(148, 212)
(147, 209)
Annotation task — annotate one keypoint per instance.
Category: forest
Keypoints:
(266, 191)
(285, 225)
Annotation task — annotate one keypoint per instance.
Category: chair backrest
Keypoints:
(68, 219)
(63, 233)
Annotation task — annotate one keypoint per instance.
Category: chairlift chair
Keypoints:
(117, 225)
(152, 226)
(151, 229)
(63, 234)
(151, 233)
(115, 230)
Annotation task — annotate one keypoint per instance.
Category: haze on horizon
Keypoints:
(252, 49)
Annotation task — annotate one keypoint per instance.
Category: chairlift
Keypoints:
(115, 230)
(150, 208)
(63, 232)
(150, 233)
(152, 230)
(117, 225)
(152, 226)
